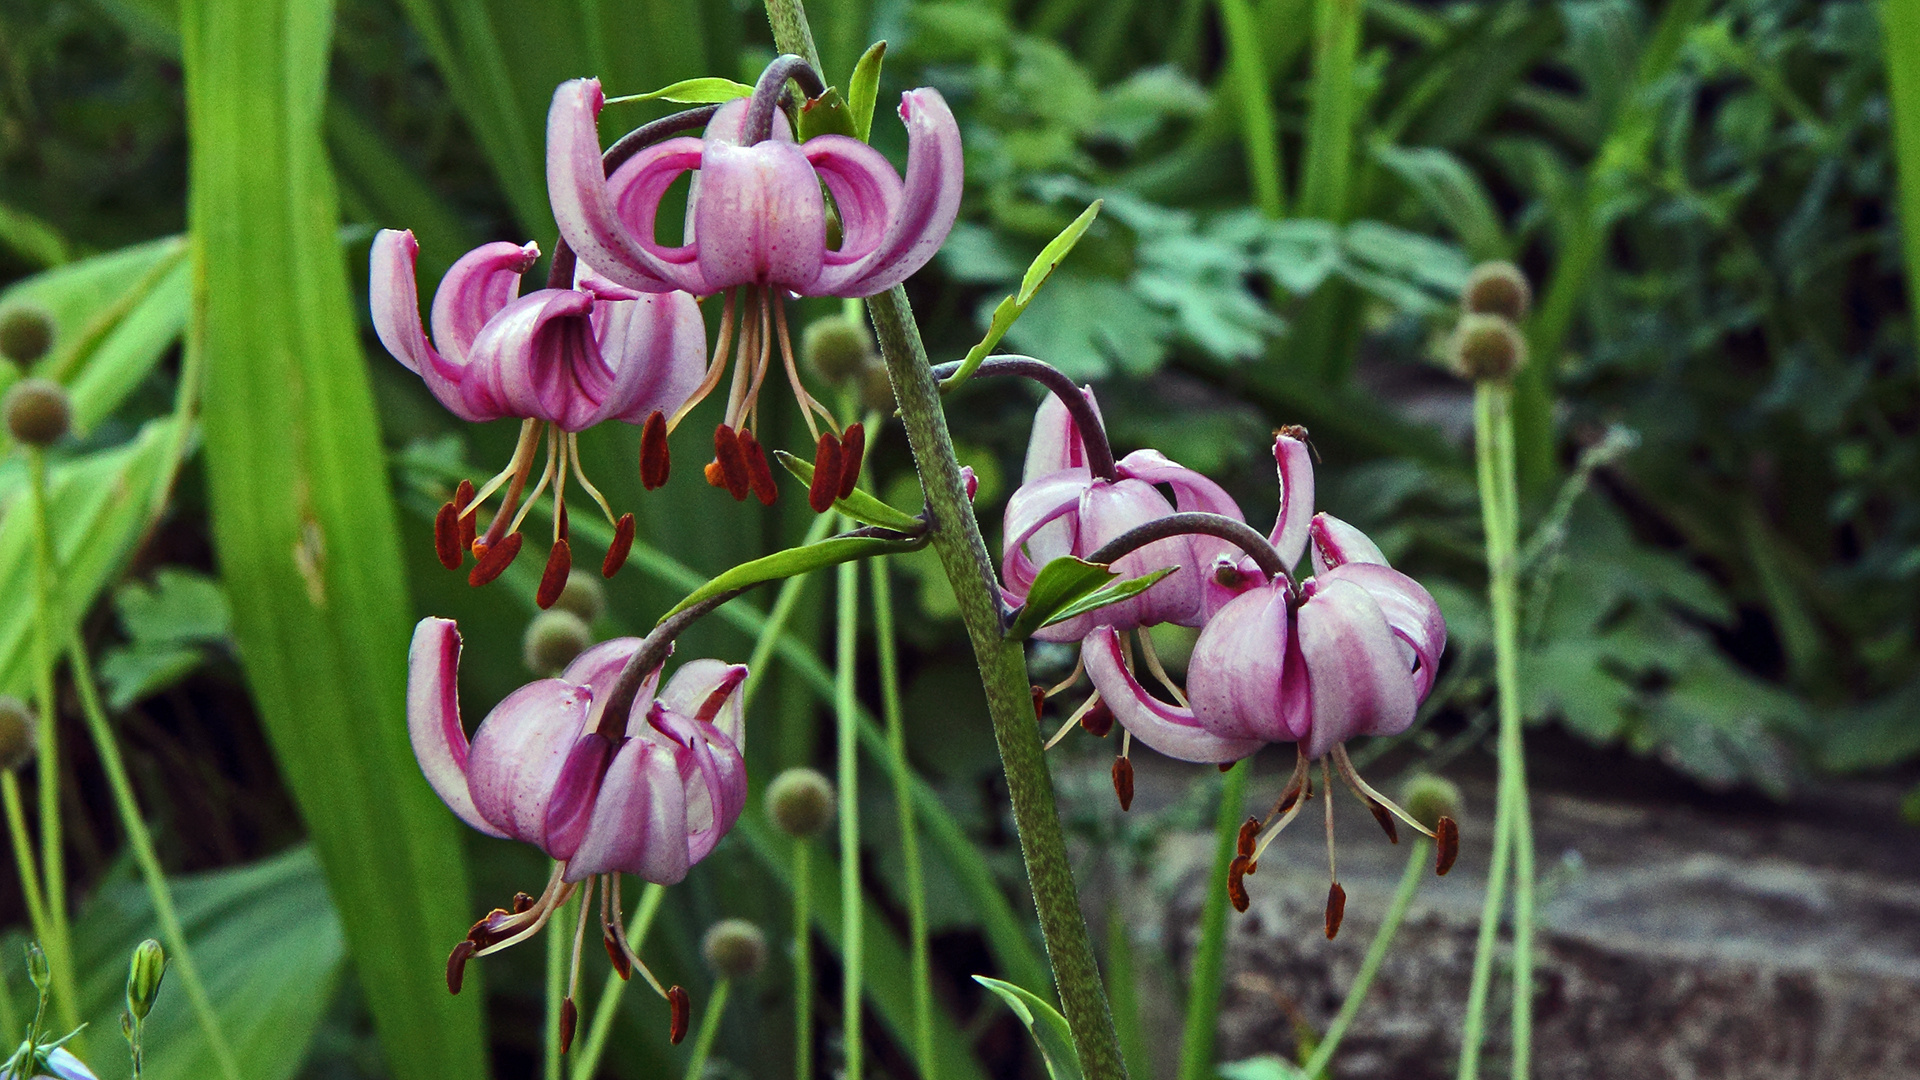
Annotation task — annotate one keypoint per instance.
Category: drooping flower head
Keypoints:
(756, 229)
(649, 794)
(559, 359)
(1349, 651)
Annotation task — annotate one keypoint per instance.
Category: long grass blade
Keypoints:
(1900, 33)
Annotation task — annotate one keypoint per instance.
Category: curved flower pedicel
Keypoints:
(649, 796)
(756, 229)
(559, 359)
(1349, 651)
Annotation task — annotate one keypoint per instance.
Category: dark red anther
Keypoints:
(1336, 908)
(622, 963)
(733, 465)
(446, 537)
(826, 474)
(457, 965)
(522, 902)
(1098, 721)
(1287, 799)
(1123, 782)
(496, 559)
(485, 930)
(1447, 836)
(655, 462)
(1226, 766)
(569, 1019)
(1385, 819)
(681, 1011)
(1039, 700)
(1249, 830)
(759, 477)
(469, 523)
(622, 544)
(566, 526)
(554, 578)
(853, 447)
(1236, 886)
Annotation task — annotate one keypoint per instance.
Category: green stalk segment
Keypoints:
(57, 937)
(846, 719)
(1203, 991)
(890, 706)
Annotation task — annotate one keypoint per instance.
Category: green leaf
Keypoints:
(1010, 309)
(168, 624)
(863, 90)
(1044, 1022)
(826, 115)
(795, 561)
(711, 90)
(1109, 594)
(859, 506)
(1452, 194)
(303, 521)
(1264, 1067)
(1061, 582)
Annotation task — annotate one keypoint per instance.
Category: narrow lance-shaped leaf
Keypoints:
(1010, 309)
(863, 90)
(1044, 1022)
(712, 90)
(859, 506)
(1109, 594)
(795, 561)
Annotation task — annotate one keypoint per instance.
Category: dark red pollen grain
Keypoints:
(522, 902)
(1248, 831)
(496, 560)
(1385, 819)
(826, 474)
(469, 523)
(853, 447)
(554, 578)
(1098, 721)
(733, 464)
(655, 462)
(681, 1011)
(446, 537)
(1336, 908)
(1123, 782)
(622, 544)
(621, 965)
(1448, 835)
(569, 1020)
(759, 477)
(457, 965)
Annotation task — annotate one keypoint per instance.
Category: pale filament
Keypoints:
(517, 470)
(580, 474)
(1366, 790)
(1159, 672)
(1079, 668)
(579, 933)
(1326, 783)
(1301, 787)
(1078, 715)
(717, 368)
(808, 405)
(556, 894)
(763, 354)
(744, 352)
(562, 443)
(546, 477)
(618, 923)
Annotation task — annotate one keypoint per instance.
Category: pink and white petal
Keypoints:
(708, 691)
(1167, 728)
(1293, 460)
(518, 753)
(1109, 510)
(1192, 492)
(570, 809)
(1033, 506)
(485, 280)
(538, 358)
(1242, 575)
(760, 218)
(433, 717)
(636, 189)
(1054, 443)
(657, 348)
(1358, 667)
(396, 319)
(1409, 609)
(866, 192)
(1336, 543)
(1238, 666)
(935, 173)
(639, 822)
(714, 776)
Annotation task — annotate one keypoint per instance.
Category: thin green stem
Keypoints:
(1203, 991)
(23, 854)
(588, 1059)
(802, 961)
(1244, 67)
(1326, 173)
(179, 955)
(915, 885)
(58, 940)
(709, 1029)
(847, 745)
(1900, 32)
(1418, 859)
(559, 937)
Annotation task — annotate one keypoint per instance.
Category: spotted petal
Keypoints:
(929, 203)
(519, 752)
(639, 822)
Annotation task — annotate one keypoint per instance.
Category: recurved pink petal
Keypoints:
(1237, 672)
(1167, 728)
(1192, 492)
(714, 773)
(639, 821)
(433, 717)
(1107, 511)
(1032, 537)
(1055, 442)
(396, 319)
(571, 807)
(935, 173)
(657, 347)
(518, 754)
(485, 280)
(1336, 543)
(1409, 609)
(1228, 575)
(759, 217)
(599, 668)
(539, 358)
(709, 692)
(866, 193)
(1294, 461)
(1359, 670)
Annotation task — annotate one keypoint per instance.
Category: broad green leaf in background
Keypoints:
(1452, 194)
(169, 624)
(31, 238)
(1900, 28)
(1265, 1067)
(1044, 1022)
(303, 522)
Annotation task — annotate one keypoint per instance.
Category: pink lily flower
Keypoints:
(1062, 509)
(559, 359)
(1350, 651)
(650, 797)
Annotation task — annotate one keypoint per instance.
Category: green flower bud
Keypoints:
(1497, 288)
(39, 971)
(26, 332)
(16, 734)
(800, 801)
(38, 411)
(144, 973)
(583, 595)
(553, 639)
(1429, 798)
(836, 348)
(735, 949)
(876, 390)
(1486, 347)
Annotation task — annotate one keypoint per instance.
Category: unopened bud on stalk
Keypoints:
(16, 734)
(38, 411)
(800, 801)
(584, 596)
(39, 971)
(1429, 798)
(1497, 288)
(1486, 347)
(26, 332)
(735, 949)
(553, 639)
(876, 392)
(148, 967)
(837, 348)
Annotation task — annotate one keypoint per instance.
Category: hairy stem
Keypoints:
(1203, 988)
(1417, 863)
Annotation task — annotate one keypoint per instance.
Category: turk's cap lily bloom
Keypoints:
(571, 357)
(1068, 511)
(650, 800)
(756, 215)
